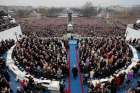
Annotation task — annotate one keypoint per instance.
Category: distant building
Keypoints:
(64, 13)
(104, 14)
(69, 20)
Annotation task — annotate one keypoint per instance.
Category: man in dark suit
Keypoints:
(74, 71)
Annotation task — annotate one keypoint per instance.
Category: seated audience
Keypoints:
(103, 56)
(41, 57)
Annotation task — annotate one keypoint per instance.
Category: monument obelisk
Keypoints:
(69, 21)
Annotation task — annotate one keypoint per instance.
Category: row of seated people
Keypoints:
(6, 22)
(100, 57)
(124, 81)
(41, 57)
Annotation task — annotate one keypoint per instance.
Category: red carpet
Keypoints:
(68, 63)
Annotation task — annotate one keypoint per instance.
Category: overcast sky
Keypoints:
(68, 3)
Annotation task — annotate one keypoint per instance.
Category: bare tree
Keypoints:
(54, 12)
(88, 10)
(23, 13)
(42, 11)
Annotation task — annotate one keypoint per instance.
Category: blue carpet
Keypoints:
(13, 83)
(75, 86)
(138, 54)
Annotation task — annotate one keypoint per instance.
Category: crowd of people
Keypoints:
(100, 56)
(100, 31)
(6, 22)
(41, 57)
(103, 56)
(45, 27)
(122, 81)
(5, 45)
(4, 76)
